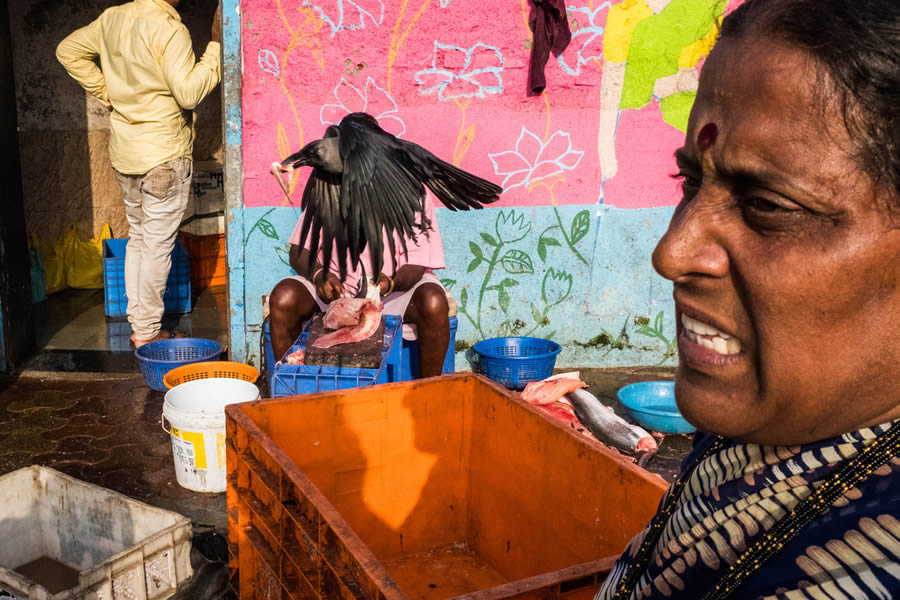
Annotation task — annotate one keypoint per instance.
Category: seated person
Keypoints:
(413, 292)
(784, 255)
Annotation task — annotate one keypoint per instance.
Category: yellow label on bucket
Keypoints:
(220, 449)
(196, 439)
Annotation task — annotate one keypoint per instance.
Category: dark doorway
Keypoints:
(67, 184)
(16, 331)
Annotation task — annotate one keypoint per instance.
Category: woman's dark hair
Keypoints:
(857, 42)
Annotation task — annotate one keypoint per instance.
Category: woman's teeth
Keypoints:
(710, 337)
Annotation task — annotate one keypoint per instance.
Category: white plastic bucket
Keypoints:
(195, 414)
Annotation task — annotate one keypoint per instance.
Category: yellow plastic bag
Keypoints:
(54, 265)
(84, 260)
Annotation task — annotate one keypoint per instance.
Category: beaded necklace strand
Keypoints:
(881, 450)
(870, 458)
(641, 559)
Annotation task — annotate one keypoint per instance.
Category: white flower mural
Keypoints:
(587, 36)
(374, 100)
(478, 76)
(348, 14)
(534, 159)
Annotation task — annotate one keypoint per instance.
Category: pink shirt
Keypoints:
(428, 252)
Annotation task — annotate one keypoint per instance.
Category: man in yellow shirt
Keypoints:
(150, 81)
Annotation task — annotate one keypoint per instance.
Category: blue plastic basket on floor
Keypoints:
(158, 358)
(516, 361)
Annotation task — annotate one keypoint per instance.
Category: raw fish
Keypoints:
(343, 312)
(610, 428)
(295, 358)
(369, 320)
(553, 388)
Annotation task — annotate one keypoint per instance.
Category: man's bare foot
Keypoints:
(162, 335)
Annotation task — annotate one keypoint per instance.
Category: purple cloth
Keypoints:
(550, 25)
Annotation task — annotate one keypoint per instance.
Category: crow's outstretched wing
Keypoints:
(455, 188)
(379, 196)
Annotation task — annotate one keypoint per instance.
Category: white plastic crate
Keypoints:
(122, 549)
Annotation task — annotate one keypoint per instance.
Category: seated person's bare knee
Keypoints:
(430, 303)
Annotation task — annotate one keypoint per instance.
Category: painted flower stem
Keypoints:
(484, 284)
(566, 236)
(472, 321)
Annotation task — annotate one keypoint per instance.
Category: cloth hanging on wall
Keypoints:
(550, 26)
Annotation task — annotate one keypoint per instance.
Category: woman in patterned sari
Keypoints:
(785, 259)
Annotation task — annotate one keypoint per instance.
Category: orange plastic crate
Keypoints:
(442, 488)
(209, 266)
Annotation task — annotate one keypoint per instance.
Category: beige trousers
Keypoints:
(155, 204)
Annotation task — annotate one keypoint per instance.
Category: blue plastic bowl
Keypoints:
(158, 358)
(516, 361)
(652, 405)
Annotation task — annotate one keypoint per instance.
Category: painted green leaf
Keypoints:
(507, 282)
(489, 239)
(581, 224)
(543, 243)
(517, 262)
(463, 298)
(447, 282)
(505, 328)
(503, 299)
(476, 250)
(550, 335)
(474, 264)
(536, 313)
(267, 228)
(283, 255)
(658, 323)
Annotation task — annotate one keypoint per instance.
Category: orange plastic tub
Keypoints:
(443, 488)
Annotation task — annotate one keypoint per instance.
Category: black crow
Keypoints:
(367, 185)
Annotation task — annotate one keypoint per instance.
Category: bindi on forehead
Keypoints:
(707, 136)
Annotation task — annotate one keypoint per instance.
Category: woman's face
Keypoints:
(785, 264)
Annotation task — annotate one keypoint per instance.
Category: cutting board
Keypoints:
(365, 354)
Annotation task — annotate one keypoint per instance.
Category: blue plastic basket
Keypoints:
(177, 298)
(652, 405)
(158, 358)
(516, 361)
(292, 380)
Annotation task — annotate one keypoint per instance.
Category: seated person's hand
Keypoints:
(385, 285)
(328, 286)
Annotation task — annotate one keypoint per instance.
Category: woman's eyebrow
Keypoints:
(681, 158)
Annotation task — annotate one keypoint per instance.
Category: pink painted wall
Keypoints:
(451, 76)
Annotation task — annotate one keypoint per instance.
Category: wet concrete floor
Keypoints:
(105, 429)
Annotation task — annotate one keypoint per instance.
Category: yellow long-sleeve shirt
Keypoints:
(148, 75)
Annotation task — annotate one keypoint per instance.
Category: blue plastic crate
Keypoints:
(409, 356)
(516, 361)
(177, 298)
(292, 380)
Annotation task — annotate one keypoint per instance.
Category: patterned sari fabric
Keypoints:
(737, 494)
